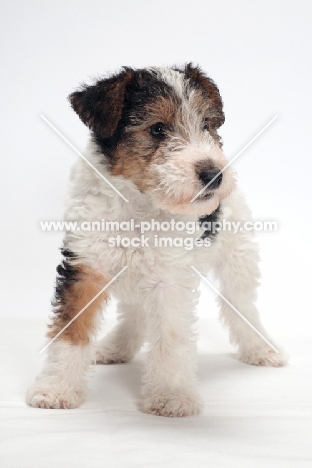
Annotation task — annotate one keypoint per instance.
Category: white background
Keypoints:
(259, 53)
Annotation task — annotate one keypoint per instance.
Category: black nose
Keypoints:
(207, 176)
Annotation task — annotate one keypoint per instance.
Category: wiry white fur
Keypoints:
(173, 78)
(62, 382)
(158, 292)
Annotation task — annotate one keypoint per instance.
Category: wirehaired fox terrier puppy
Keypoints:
(154, 139)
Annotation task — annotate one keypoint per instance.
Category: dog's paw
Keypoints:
(264, 357)
(172, 405)
(53, 397)
(110, 355)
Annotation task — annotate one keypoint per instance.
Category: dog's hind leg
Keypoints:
(77, 306)
(126, 339)
(238, 272)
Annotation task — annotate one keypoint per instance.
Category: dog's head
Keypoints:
(158, 128)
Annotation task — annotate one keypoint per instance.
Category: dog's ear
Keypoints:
(100, 106)
(199, 79)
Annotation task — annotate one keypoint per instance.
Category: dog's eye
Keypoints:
(158, 130)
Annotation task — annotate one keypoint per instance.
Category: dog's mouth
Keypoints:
(204, 196)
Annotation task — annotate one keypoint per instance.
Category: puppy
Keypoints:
(154, 140)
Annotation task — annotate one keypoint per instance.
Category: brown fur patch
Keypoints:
(75, 296)
(100, 106)
(163, 109)
(133, 167)
(211, 91)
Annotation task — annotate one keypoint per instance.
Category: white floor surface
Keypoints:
(254, 416)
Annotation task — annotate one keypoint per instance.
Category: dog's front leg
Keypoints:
(62, 382)
(169, 381)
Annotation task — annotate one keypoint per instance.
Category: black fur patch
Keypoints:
(68, 253)
(211, 219)
(67, 274)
